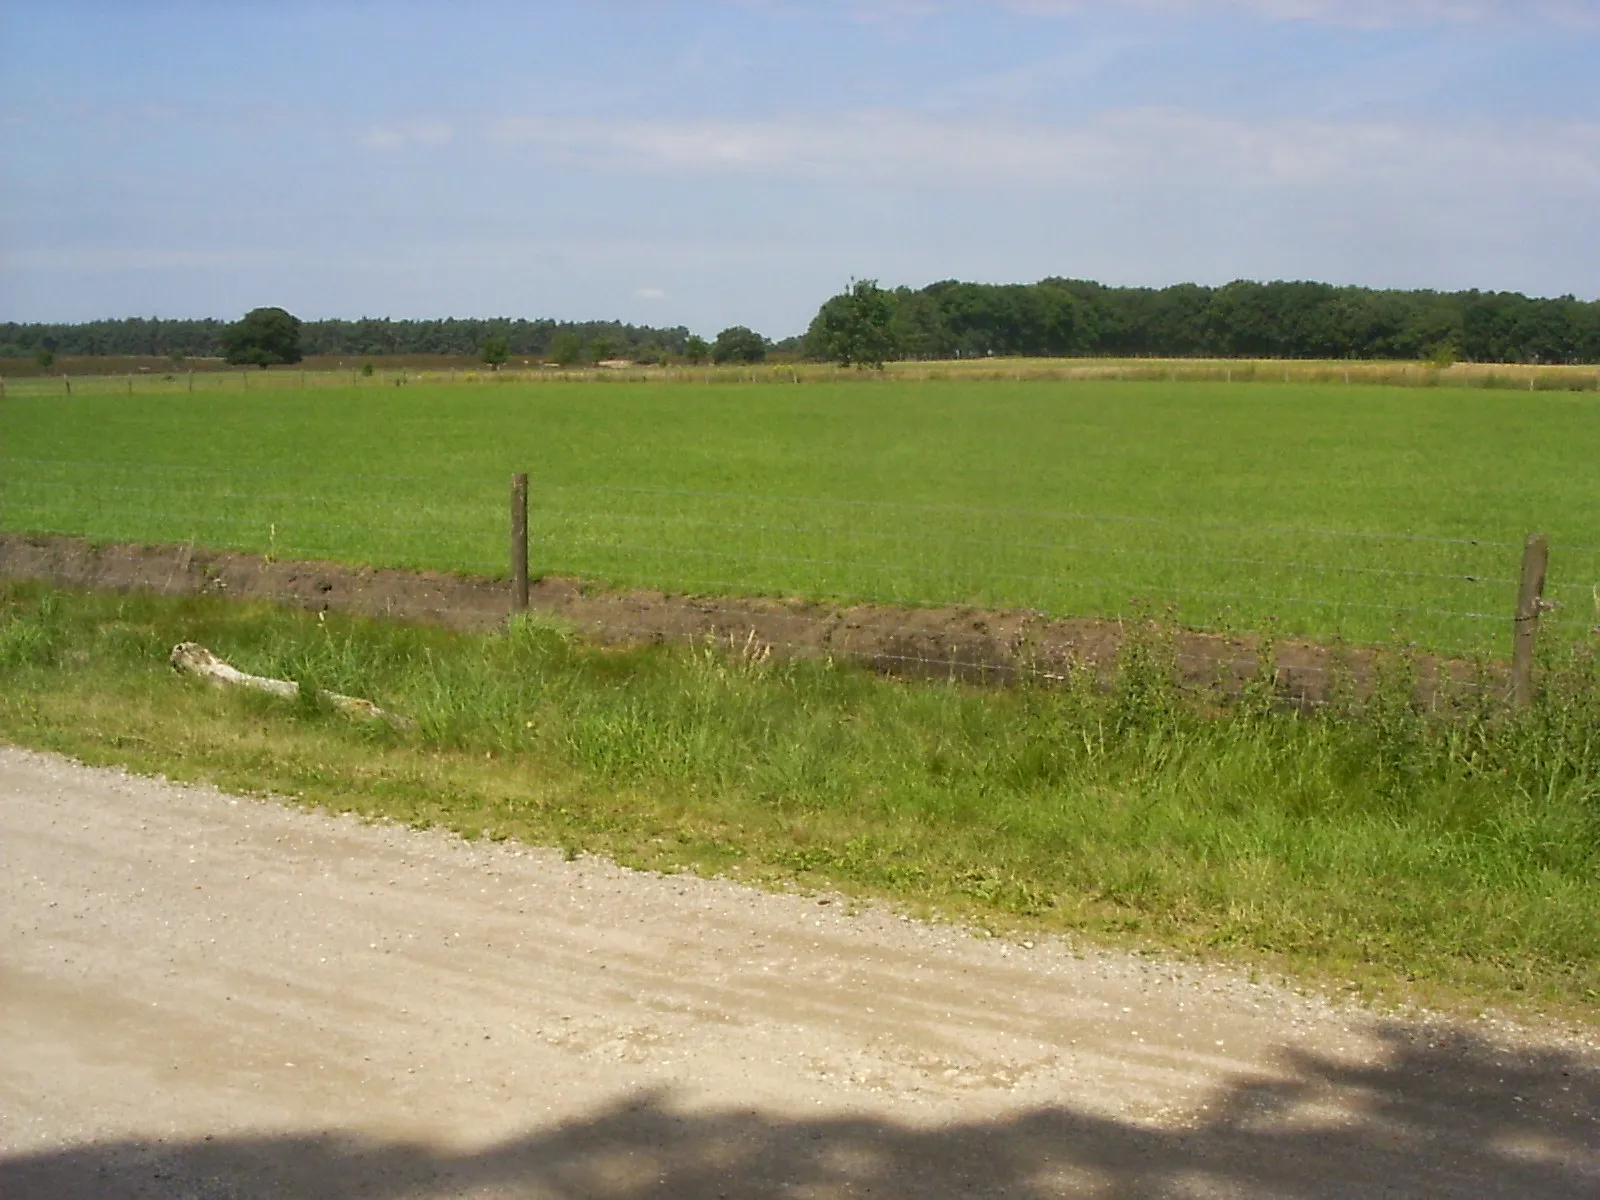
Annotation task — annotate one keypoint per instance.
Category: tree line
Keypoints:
(949, 319)
(369, 336)
(1055, 317)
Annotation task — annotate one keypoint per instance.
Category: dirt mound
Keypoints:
(966, 644)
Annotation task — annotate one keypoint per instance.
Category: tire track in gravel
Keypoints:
(205, 995)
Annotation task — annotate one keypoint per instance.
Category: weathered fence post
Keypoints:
(1530, 602)
(519, 542)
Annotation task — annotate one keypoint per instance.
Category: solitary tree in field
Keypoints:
(738, 344)
(696, 350)
(855, 327)
(1443, 355)
(263, 337)
(496, 350)
(567, 348)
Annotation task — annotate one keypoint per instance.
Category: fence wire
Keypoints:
(750, 555)
(746, 498)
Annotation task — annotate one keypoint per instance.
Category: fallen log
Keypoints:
(190, 658)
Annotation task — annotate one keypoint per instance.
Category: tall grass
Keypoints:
(1458, 847)
(143, 376)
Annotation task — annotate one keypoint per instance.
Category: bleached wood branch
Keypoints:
(194, 659)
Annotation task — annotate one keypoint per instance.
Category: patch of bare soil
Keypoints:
(966, 644)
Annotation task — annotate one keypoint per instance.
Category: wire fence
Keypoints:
(1452, 595)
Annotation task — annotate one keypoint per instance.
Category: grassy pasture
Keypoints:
(1315, 508)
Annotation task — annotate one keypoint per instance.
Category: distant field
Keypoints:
(147, 375)
(1320, 508)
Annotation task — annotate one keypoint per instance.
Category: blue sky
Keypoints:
(737, 161)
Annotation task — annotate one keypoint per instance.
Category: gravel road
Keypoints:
(209, 996)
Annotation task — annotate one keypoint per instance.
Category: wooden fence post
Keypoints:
(1530, 602)
(519, 542)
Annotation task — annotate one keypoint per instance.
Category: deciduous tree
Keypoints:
(567, 349)
(263, 337)
(738, 344)
(856, 327)
(495, 350)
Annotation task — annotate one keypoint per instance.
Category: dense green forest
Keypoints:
(367, 336)
(953, 319)
(1240, 320)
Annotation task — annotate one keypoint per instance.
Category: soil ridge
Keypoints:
(970, 645)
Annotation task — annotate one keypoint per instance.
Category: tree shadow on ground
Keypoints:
(1443, 1115)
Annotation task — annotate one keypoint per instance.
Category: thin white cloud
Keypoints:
(1357, 13)
(1136, 147)
(112, 258)
(428, 132)
(649, 293)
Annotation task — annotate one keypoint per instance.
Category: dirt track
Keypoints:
(203, 996)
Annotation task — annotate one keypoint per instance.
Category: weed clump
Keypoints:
(29, 633)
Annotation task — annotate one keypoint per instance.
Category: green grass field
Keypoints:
(1320, 509)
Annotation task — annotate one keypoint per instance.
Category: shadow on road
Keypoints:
(1451, 1116)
